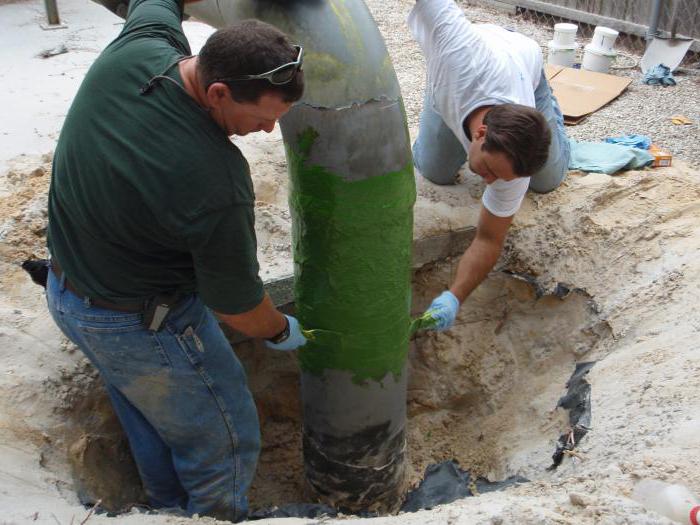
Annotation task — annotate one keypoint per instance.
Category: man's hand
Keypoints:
(292, 338)
(443, 311)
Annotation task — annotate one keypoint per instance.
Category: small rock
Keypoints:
(496, 520)
(580, 500)
(612, 471)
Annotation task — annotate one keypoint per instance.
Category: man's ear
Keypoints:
(217, 93)
(480, 132)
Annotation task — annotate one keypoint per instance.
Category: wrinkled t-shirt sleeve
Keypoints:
(157, 18)
(223, 248)
(443, 31)
(463, 73)
(503, 198)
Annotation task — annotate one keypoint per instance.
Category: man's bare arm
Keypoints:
(482, 254)
(263, 321)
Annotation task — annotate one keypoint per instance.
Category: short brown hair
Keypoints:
(522, 133)
(249, 47)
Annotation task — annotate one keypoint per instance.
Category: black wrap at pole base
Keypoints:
(355, 443)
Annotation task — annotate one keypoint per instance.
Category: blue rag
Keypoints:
(659, 74)
(636, 141)
(603, 157)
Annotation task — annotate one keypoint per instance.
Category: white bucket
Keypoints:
(595, 59)
(565, 34)
(604, 39)
(561, 55)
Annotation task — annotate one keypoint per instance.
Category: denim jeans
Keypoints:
(181, 396)
(439, 155)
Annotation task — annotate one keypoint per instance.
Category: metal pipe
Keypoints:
(653, 29)
(351, 196)
(52, 13)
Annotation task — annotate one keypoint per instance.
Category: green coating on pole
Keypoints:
(352, 257)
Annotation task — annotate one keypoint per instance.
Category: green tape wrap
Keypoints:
(352, 259)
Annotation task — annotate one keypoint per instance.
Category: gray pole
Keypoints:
(53, 20)
(652, 31)
(52, 12)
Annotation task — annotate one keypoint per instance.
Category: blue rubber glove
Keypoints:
(443, 310)
(295, 339)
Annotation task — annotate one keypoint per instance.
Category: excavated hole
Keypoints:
(483, 394)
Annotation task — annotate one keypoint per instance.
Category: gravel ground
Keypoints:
(641, 109)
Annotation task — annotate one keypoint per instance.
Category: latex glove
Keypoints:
(294, 340)
(443, 310)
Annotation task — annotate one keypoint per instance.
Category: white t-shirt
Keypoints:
(470, 66)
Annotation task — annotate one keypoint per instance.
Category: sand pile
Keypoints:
(603, 269)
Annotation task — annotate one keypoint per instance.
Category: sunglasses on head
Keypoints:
(279, 76)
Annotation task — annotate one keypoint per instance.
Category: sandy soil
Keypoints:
(485, 393)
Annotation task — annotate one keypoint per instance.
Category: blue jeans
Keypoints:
(439, 155)
(181, 396)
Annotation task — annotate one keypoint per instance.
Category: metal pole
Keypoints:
(652, 31)
(351, 196)
(53, 20)
(52, 12)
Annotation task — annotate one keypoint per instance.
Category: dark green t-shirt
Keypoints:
(148, 194)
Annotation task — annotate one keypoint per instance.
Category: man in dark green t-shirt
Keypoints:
(151, 229)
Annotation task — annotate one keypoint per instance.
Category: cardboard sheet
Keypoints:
(550, 71)
(582, 92)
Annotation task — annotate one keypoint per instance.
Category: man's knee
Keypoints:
(432, 168)
(545, 186)
(555, 169)
(550, 177)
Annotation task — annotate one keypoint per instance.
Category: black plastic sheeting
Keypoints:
(578, 401)
(38, 270)
(445, 482)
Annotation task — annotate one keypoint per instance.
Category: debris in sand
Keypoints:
(92, 510)
(681, 120)
(296, 510)
(578, 401)
(58, 50)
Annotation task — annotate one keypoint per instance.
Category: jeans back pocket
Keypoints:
(125, 346)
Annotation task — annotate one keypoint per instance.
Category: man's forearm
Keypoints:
(474, 267)
(262, 321)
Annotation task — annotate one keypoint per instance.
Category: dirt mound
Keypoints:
(604, 269)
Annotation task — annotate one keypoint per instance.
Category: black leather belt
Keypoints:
(100, 303)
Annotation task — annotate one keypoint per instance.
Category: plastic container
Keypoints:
(561, 55)
(604, 39)
(673, 501)
(565, 34)
(595, 59)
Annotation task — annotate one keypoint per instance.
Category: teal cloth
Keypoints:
(636, 141)
(660, 75)
(603, 157)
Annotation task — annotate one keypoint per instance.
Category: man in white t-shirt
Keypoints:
(486, 101)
